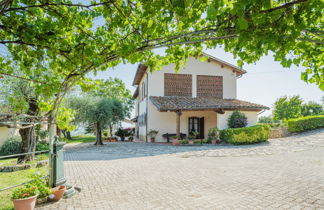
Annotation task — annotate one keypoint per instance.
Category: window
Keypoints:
(177, 84)
(143, 91)
(142, 119)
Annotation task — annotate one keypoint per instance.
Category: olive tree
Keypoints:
(97, 112)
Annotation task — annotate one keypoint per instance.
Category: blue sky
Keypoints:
(264, 82)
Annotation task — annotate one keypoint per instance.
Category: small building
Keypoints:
(200, 96)
(6, 133)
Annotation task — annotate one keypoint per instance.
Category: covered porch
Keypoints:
(184, 115)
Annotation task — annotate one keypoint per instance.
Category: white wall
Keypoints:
(194, 67)
(252, 117)
(6, 133)
(142, 110)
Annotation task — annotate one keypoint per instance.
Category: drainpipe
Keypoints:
(147, 95)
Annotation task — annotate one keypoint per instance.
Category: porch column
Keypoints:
(178, 122)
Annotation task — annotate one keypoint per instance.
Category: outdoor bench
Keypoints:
(169, 135)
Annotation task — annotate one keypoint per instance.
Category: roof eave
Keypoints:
(141, 69)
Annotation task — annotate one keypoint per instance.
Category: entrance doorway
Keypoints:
(197, 124)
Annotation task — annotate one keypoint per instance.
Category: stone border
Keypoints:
(14, 168)
(279, 133)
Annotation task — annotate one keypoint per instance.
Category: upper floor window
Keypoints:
(143, 91)
(177, 84)
(209, 86)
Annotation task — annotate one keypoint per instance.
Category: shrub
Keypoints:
(11, 146)
(248, 135)
(306, 123)
(237, 120)
(42, 145)
(122, 133)
(197, 141)
(265, 119)
(206, 141)
(184, 141)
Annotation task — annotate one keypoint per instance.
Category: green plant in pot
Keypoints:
(175, 140)
(42, 187)
(213, 135)
(191, 139)
(183, 141)
(152, 134)
(195, 134)
(24, 198)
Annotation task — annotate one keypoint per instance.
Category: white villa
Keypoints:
(199, 97)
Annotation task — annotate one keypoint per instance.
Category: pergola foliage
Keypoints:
(72, 39)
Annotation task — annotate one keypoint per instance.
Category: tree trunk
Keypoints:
(98, 134)
(68, 135)
(110, 130)
(28, 144)
(28, 135)
(58, 131)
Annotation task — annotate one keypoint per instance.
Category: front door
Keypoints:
(196, 124)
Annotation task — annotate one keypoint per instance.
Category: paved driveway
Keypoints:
(285, 173)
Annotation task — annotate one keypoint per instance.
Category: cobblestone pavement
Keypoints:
(285, 173)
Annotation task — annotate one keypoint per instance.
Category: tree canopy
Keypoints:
(72, 39)
(311, 108)
(97, 112)
(286, 108)
(114, 88)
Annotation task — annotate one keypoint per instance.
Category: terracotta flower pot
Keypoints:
(175, 142)
(25, 203)
(58, 192)
(152, 140)
(214, 141)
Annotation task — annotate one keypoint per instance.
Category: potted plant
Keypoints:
(57, 193)
(24, 198)
(197, 141)
(213, 134)
(195, 134)
(191, 139)
(175, 140)
(152, 134)
(184, 141)
(42, 186)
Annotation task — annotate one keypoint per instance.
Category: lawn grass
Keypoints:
(13, 178)
(80, 139)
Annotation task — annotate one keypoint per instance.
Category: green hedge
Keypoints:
(247, 135)
(306, 123)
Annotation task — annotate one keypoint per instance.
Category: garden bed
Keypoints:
(20, 167)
